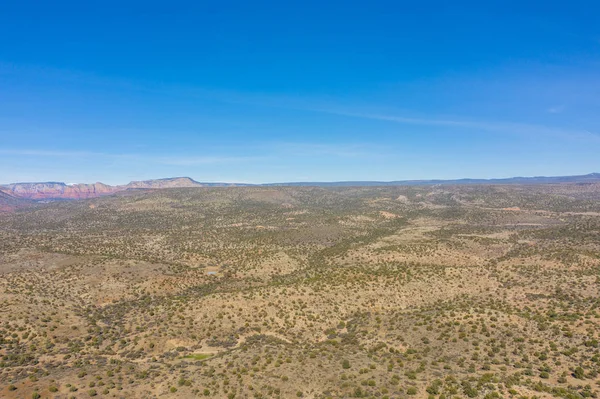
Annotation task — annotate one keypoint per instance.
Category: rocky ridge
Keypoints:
(59, 190)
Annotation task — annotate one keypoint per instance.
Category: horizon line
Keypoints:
(306, 182)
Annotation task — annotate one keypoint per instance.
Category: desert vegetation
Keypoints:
(442, 292)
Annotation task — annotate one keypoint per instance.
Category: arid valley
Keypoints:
(443, 291)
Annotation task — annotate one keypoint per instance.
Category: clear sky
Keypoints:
(255, 91)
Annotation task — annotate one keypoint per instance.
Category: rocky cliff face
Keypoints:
(57, 190)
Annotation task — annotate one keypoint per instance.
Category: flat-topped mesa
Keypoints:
(174, 182)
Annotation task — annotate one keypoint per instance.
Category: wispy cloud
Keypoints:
(556, 109)
(327, 105)
(50, 153)
(488, 126)
(331, 106)
(203, 160)
(259, 151)
(164, 160)
(355, 150)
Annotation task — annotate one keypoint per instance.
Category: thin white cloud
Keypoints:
(501, 127)
(330, 107)
(357, 150)
(556, 109)
(202, 160)
(262, 151)
(49, 153)
(164, 160)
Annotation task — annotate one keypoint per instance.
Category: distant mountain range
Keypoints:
(590, 178)
(57, 190)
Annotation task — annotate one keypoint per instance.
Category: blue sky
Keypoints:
(297, 91)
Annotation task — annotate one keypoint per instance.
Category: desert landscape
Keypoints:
(299, 200)
(435, 291)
